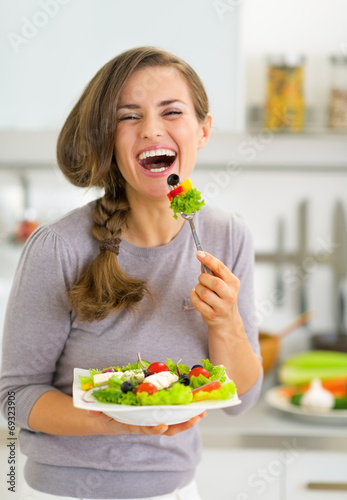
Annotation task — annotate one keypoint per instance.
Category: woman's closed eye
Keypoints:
(128, 117)
(172, 113)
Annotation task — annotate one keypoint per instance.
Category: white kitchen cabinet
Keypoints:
(236, 474)
(317, 467)
(266, 454)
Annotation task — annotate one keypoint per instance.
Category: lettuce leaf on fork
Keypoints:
(187, 202)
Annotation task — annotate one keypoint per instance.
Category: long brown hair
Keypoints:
(85, 154)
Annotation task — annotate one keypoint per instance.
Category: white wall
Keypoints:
(51, 48)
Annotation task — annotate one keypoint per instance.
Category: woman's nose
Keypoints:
(151, 127)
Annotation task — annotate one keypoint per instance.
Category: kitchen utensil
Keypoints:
(28, 224)
(280, 262)
(270, 343)
(303, 253)
(337, 341)
(173, 181)
(189, 218)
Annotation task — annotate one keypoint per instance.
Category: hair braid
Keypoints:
(104, 287)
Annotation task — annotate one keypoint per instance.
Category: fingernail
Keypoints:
(162, 428)
(195, 420)
(201, 254)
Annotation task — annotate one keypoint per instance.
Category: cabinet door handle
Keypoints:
(327, 486)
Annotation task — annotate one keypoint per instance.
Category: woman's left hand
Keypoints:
(215, 296)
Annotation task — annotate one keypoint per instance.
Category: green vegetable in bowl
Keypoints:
(303, 367)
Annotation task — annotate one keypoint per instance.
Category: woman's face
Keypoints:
(157, 132)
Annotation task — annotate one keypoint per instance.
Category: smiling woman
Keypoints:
(113, 278)
(160, 106)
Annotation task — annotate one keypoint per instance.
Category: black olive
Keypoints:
(173, 180)
(196, 366)
(126, 386)
(146, 373)
(184, 379)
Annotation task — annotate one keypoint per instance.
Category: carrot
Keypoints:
(337, 386)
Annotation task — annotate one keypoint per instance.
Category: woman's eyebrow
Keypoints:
(128, 106)
(160, 104)
(170, 101)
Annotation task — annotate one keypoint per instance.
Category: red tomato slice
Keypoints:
(211, 386)
(146, 387)
(199, 370)
(157, 367)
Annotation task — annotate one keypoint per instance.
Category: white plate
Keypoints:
(277, 398)
(147, 415)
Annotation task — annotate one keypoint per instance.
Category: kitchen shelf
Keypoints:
(250, 151)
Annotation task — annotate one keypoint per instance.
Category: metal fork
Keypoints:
(173, 181)
(189, 218)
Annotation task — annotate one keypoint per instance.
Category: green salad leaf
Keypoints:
(172, 367)
(187, 202)
(176, 394)
(196, 382)
(216, 372)
(112, 394)
(135, 366)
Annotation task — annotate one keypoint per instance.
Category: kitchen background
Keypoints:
(289, 184)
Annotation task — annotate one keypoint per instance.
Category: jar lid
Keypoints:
(338, 59)
(290, 59)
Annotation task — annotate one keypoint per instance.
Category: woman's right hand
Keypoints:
(113, 427)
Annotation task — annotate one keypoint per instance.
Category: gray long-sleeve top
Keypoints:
(43, 342)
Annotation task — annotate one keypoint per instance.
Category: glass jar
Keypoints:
(338, 93)
(285, 108)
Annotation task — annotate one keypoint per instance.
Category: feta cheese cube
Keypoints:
(162, 380)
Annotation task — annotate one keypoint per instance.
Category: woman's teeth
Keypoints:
(158, 169)
(156, 152)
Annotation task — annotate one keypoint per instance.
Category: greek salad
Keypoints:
(157, 383)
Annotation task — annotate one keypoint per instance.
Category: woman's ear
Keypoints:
(205, 131)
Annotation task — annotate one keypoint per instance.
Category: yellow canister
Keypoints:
(285, 108)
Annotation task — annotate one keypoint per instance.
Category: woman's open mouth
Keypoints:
(156, 160)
